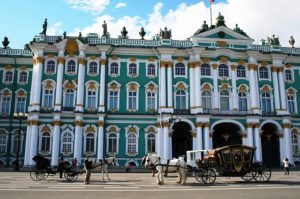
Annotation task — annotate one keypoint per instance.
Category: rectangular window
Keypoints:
(48, 98)
(113, 100)
(46, 143)
(291, 104)
(21, 105)
(150, 101)
(91, 100)
(5, 105)
(132, 100)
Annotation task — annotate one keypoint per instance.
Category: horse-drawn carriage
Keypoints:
(232, 160)
(43, 169)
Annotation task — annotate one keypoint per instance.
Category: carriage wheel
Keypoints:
(71, 176)
(208, 176)
(262, 174)
(198, 176)
(34, 176)
(248, 176)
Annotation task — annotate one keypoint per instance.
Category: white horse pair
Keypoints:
(102, 166)
(166, 166)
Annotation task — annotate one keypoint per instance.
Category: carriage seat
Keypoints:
(210, 154)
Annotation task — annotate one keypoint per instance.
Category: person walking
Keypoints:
(88, 166)
(286, 165)
(61, 166)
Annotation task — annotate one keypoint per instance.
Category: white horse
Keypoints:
(102, 166)
(166, 166)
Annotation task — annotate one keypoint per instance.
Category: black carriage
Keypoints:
(229, 161)
(43, 169)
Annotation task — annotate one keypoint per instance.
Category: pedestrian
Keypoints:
(61, 166)
(74, 163)
(128, 168)
(286, 165)
(88, 166)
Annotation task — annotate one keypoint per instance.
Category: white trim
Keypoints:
(61, 140)
(5, 133)
(246, 72)
(110, 62)
(117, 90)
(43, 93)
(66, 66)
(27, 77)
(41, 137)
(4, 75)
(16, 99)
(186, 94)
(147, 64)
(269, 73)
(185, 69)
(242, 128)
(1, 100)
(14, 134)
(292, 74)
(137, 68)
(45, 66)
(279, 128)
(155, 96)
(88, 67)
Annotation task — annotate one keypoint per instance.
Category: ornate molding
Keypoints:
(215, 66)
(56, 122)
(165, 124)
(72, 47)
(61, 60)
(39, 60)
(249, 125)
(169, 64)
(100, 123)
(241, 62)
(256, 125)
(206, 124)
(34, 122)
(222, 43)
(103, 61)
(23, 68)
(180, 59)
(205, 60)
(224, 59)
(81, 61)
(233, 67)
(158, 125)
(198, 124)
(78, 123)
(280, 69)
(274, 69)
(287, 125)
(252, 67)
(28, 122)
(264, 63)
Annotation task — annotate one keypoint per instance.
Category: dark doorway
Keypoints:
(270, 145)
(226, 134)
(181, 139)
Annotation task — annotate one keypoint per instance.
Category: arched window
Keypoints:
(205, 69)
(45, 145)
(48, 98)
(266, 102)
(3, 142)
(113, 100)
(224, 100)
(179, 69)
(67, 142)
(180, 99)
(90, 143)
(131, 143)
(17, 144)
(243, 101)
(93, 68)
(263, 73)
(8, 76)
(23, 77)
(288, 75)
(114, 69)
(50, 67)
(206, 100)
(71, 67)
(291, 103)
(132, 69)
(151, 70)
(112, 143)
(151, 143)
(223, 71)
(91, 102)
(21, 104)
(69, 101)
(240, 71)
(295, 143)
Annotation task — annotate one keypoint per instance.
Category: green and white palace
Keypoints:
(99, 96)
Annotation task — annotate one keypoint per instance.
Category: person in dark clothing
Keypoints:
(88, 166)
(61, 166)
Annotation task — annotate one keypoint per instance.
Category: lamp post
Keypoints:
(20, 117)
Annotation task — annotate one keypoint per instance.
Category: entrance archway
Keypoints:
(181, 139)
(226, 134)
(270, 145)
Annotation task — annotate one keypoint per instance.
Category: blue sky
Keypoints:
(20, 20)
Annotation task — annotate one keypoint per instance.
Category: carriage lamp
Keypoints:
(20, 117)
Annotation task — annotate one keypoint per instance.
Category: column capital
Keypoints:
(191, 65)
(206, 124)
(56, 122)
(81, 61)
(249, 125)
(34, 122)
(61, 60)
(233, 67)
(256, 125)
(28, 122)
(198, 124)
(280, 69)
(165, 124)
(286, 126)
(169, 64)
(252, 67)
(214, 66)
(39, 60)
(163, 64)
(103, 61)
(158, 125)
(100, 123)
(78, 123)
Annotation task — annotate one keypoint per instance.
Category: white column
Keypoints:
(234, 93)
(166, 140)
(170, 88)
(158, 141)
(162, 85)
(102, 86)
(276, 88)
(55, 143)
(78, 140)
(34, 141)
(199, 136)
(207, 142)
(216, 88)
(282, 89)
(192, 86)
(60, 73)
(38, 70)
(80, 85)
(198, 89)
(32, 89)
(250, 135)
(258, 152)
(100, 144)
(288, 142)
(27, 145)
(252, 69)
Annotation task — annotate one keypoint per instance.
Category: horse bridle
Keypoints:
(151, 163)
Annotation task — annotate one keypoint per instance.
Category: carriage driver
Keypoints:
(88, 166)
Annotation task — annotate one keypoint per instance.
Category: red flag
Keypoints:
(211, 1)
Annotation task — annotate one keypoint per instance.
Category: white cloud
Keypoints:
(55, 29)
(121, 5)
(95, 6)
(258, 18)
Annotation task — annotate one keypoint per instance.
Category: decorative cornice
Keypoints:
(39, 60)
(256, 125)
(8, 67)
(205, 60)
(222, 43)
(250, 125)
(206, 124)
(158, 125)
(180, 59)
(169, 64)
(280, 69)
(241, 62)
(264, 63)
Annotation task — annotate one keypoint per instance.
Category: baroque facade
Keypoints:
(100, 96)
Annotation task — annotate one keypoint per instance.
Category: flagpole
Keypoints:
(210, 12)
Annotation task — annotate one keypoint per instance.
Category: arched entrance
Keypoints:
(181, 139)
(226, 134)
(270, 145)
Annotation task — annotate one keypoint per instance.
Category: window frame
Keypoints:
(67, 67)
(46, 71)
(178, 72)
